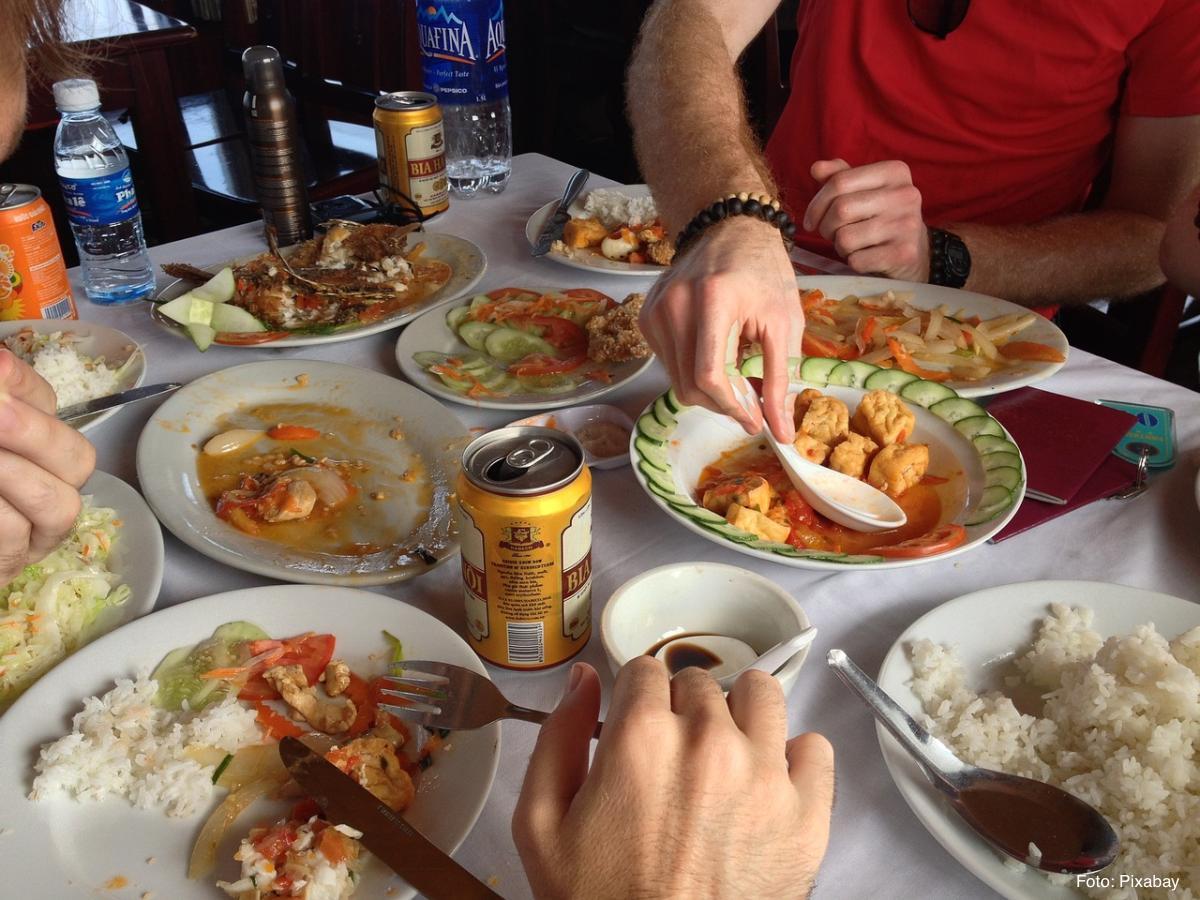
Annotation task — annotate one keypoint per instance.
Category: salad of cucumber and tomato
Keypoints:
(522, 341)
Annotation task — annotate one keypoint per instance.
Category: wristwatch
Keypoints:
(949, 259)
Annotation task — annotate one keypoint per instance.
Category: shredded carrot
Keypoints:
(1030, 350)
(869, 328)
(905, 361)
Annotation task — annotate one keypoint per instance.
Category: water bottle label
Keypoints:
(462, 50)
(104, 200)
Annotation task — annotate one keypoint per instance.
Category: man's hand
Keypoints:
(689, 795)
(736, 275)
(43, 463)
(873, 216)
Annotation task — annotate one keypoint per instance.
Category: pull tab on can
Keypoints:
(523, 460)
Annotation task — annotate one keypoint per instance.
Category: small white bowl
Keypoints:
(701, 597)
(573, 418)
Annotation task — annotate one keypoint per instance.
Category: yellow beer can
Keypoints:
(525, 525)
(411, 144)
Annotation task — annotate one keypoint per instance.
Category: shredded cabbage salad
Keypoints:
(45, 611)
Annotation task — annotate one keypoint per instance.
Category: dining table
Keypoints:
(877, 847)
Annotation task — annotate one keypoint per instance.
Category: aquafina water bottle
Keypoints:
(102, 206)
(463, 59)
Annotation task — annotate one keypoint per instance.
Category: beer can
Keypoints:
(411, 145)
(33, 276)
(525, 524)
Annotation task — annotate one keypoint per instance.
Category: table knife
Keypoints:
(553, 228)
(385, 832)
(79, 410)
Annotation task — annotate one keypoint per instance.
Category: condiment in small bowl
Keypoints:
(603, 430)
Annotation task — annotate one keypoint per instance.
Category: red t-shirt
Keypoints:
(1007, 121)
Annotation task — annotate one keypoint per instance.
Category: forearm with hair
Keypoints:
(691, 134)
(1067, 260)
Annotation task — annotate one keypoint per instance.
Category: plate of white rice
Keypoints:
(1093, 687)
(629, 204)
(80, 360)
(106, 790)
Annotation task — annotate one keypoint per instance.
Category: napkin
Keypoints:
(1112, 475)
(1064, 440)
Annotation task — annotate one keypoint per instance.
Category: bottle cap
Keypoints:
(76, 94)
(262, 66)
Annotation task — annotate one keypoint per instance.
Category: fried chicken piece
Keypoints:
(884, 418)
(580, 233)
(803, 401)
(373, 763)
(323, 715)
(661, 253)
(810, 448)
(615, 336)
(337, 677)
(827, 419)
(756, 523)
(897, 467)
(852, 455)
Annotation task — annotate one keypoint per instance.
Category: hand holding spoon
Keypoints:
(1007, 811)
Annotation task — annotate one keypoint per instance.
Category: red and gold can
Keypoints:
(33, 276)
(411, 145)
(525, 523)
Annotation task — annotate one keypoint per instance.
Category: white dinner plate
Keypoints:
(673, 443)
(97, 340)
(465, 258)
(929, 296)
(989, 628)
(430, 332)
(169, 447)
(588, 259)
(81, 847)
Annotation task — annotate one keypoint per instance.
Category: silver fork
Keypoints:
(441, 695)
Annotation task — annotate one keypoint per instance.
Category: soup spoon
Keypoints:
(1012, 813)
(845, 500)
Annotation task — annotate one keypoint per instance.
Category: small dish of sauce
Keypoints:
(718, 654)
(603, 439)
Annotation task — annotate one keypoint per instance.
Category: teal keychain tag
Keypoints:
(1154, 430)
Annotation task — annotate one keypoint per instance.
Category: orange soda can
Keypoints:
(33, 276)
(525, 525)
(411, 145)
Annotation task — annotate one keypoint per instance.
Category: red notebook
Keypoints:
(1112, 475)
(1064, 440)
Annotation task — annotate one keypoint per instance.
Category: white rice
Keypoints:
(1119, 727)
(75, 378)
(123, 745)
(614, 208)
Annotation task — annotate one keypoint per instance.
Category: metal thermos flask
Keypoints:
(273, 136)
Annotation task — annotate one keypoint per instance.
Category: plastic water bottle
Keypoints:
(464, 64)
(102, 206)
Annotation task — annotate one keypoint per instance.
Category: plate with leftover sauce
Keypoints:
(350, 281)
(614, 229)
(306, 471)
(949, 465)
(975, 344)
(142, 808)
(81, 360)
(526, 348)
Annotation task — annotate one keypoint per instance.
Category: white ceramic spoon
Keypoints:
(845, 500)
(738, 656)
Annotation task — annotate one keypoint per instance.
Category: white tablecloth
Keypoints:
(878, 848)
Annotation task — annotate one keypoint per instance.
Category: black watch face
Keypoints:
(958, 259)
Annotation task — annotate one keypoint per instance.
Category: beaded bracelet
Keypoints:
(762, 206)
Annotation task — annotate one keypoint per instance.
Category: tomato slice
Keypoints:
(537, 364)
(275, 725)
(248, 338)
(564, 335)
(943, 538)
(311, 652)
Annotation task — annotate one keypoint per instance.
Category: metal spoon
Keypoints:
(845, 500)
(1007, 811)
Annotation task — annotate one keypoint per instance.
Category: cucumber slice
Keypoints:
(1001, 460)
(851, 374)
(926, 393)
(972, 426)
(474, 334)
(188, 309)
(511, 344)
(752, 367)
(992, 443)
(671, 496)
(479, 300)
(663, 413)
(458, 385)
(891, 380)
(956, 408)
(218, 289)
(652, 453)
(650, 428)
(673, 402)
(816, 369)
(812, 554)
(860, 559)
(456, 317)
(1005, 476)
(202, 335)
(768, 546)
(548, 384)
(178, 675)
(233, 319)
(232, 632)
(992, 502)
(727, 531)
(663, 479)
(697, 513)
(495, 380)
(427, 358)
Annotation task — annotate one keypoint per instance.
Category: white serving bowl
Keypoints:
(701, 597)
